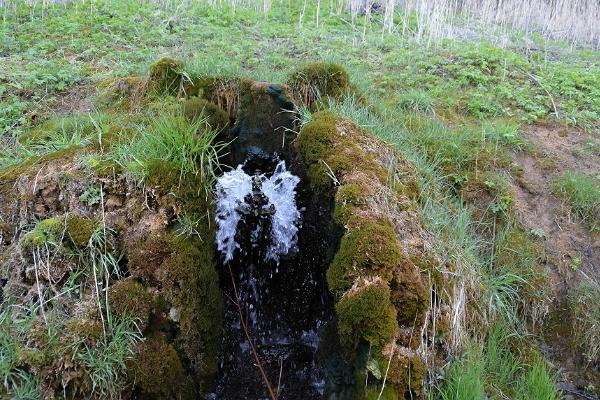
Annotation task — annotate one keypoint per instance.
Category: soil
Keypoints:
(572, 251)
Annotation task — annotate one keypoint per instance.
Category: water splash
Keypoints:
(280, 189)
(240, 194)
(231, 189)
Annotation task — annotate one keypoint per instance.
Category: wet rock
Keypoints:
(264, 124)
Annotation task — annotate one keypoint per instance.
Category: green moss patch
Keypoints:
(46, 231)
(366, 314)
(184, 272)
(196, 108)
(369, 250)
(128, 297)
(319, 81)
(156, 371)
(166, 76)
(80, 229)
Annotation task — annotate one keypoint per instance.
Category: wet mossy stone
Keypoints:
(366, 314)
(156, 371)
(195, 108)
(318, 81)
(166, 76)
(129, 298)
(183, 270)
(368, 250)
(264, 124)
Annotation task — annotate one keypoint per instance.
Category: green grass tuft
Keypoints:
(582, 192)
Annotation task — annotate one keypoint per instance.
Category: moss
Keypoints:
(46, 231)
(166, 76)
(315, 144)
(129, 85)
(80, 229)
(128, 297)
(156, 371)
(366, 314)
(370, 249)
(216, 117)
(407, 373)
(373, 393)
(410, 295)
(317, 81)
(105, 168)
(15, 171)
(163, 175)
(184, 271)
(88, 330)
(347, 198)
(315, 140)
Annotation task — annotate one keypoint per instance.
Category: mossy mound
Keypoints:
(366, 314)
(45, 232)
(156, 371)
(379, 290)
(196, 108)
(127, 297)
(368, 250)
(166, 76)
(80, 230)
(183, 271)
(319, 81)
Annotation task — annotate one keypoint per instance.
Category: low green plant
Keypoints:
(105, 362)
(173, 140)
(416, 101)
(463, 379)
(505, 134)
(537, 383)
(582, 192)
(584, 302)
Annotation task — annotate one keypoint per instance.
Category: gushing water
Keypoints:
(283, 300)
(232, 188)
(257, 195)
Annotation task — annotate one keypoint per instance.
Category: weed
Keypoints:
(91, 195)
(171, 139)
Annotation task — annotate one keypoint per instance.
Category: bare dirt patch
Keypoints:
(572, 251)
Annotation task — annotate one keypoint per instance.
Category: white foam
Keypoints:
(280, 190)
(231, 189)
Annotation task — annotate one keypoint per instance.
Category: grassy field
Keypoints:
(460, 110)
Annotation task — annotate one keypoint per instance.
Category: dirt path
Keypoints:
(572, 251)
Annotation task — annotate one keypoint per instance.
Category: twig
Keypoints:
(387, 370)
(250, 341)
(537, 80)
(280, 373)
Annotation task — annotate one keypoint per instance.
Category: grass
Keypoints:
(538, 383)
(105, 362)
(584, 302)
(170, 139)
(582, 193)
(495, 370)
